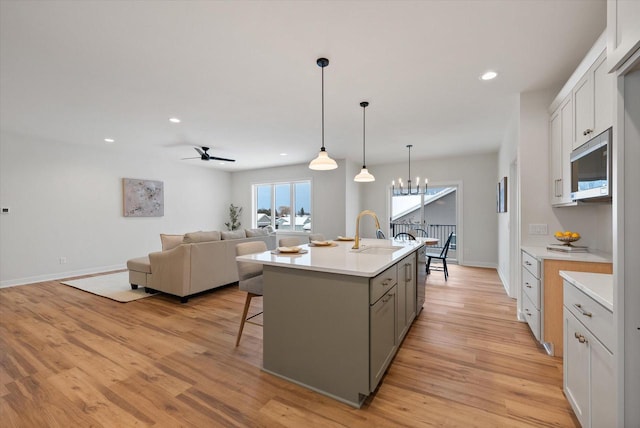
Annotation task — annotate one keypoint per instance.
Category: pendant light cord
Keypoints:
(364, 165)
(409, 164)
(322, 109)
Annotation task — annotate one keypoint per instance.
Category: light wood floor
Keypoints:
(72, 359)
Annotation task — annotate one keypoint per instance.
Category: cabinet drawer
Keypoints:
(531, 287)
(532, 315)
(594, 316)
(382, 283)
(531, 264)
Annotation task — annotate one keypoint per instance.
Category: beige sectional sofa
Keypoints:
(194, 262)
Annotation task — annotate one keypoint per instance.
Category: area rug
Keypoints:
(114, 286)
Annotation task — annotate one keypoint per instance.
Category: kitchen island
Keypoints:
(334, 317)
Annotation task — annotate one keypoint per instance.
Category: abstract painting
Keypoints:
(143, 198)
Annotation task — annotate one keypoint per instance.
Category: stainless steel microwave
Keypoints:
(591, 170)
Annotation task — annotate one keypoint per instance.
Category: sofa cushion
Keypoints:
(251, 233)
(200, 236)
(170, 241)
(140, 264)
(234, 234)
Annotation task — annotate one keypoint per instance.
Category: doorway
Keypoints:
(434, 214)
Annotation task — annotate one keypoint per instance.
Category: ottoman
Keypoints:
(139, 272)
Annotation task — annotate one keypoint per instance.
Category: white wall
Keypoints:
(476, 174)
(328, 205)
(66, 201)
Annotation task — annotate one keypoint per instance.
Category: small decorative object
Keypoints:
(567, 237)
(142, 198)
(501, 200)
(234, 216)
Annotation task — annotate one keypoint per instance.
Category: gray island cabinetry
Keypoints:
(334, 317)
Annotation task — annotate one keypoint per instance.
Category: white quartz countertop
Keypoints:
(341, 259)
(542, 253)
(598, 286)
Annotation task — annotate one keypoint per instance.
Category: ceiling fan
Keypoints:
(207, 157)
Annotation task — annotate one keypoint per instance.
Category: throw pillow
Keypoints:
(200, 236)
(234, 234)
(255, 232)
(170, 241)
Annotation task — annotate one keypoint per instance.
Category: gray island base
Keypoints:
(335, 327)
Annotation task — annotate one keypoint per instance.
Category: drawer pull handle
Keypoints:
(527, 263)
(389, 296)
(582, 311)
(527, 312)
(580, 337)
(387, 281)
(527, 285)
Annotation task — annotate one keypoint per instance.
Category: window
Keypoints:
(285, 206)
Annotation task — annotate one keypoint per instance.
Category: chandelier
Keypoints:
(401, 190)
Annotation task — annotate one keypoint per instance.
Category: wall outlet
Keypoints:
(5, 210)
(63, 260)
(538, 229)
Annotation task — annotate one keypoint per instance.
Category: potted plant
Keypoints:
(234, 217)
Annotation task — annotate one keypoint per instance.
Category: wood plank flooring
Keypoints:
(70, 358)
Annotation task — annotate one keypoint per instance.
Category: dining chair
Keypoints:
(316, 237)
(250, 279)
(420, 232)
(404, 236)
(442, 257)
(288, 242)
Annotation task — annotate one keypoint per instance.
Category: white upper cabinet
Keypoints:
(623, 31)
(592, 99)
(561, 144)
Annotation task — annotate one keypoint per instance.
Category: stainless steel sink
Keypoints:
(379, 250)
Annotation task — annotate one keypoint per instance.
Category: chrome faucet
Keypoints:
(365, 212)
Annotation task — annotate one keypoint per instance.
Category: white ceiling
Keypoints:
(243, 77)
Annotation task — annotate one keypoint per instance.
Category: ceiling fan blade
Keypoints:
(190, 158)
(200, 152)
(221, 159)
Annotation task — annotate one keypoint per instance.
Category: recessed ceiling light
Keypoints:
(489, 75)
(284, 154)
(174, 120)
(109, 140)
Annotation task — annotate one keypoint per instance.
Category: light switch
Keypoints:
(538, 229)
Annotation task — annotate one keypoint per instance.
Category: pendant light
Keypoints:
(364, 176)
(400, 191)
(323, 162)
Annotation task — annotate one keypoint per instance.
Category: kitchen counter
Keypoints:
(542, 253)
(341, 259)
(335, 317)
(598, 286)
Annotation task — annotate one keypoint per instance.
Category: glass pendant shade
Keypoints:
(323, 162)
(364, 176)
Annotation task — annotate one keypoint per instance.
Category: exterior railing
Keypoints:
(440, 231)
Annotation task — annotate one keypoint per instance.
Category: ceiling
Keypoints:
(242, 75)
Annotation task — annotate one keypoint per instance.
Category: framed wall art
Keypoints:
(143, 198)
(501, 198)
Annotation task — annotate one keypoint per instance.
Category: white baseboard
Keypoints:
(480, 264)
(505, 282)
(59, 275)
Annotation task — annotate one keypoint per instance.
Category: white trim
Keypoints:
(60, 275)
(505, 283)
(481, 265)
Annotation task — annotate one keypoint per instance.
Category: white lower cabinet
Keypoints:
(589, 367)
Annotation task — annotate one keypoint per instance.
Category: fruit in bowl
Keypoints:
(567, 236)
